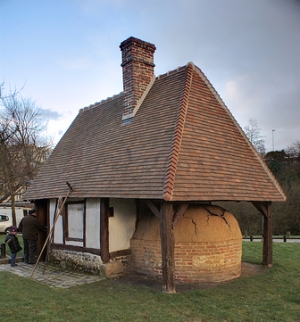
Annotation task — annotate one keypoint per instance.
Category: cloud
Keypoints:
(249, 50)
(50, 114)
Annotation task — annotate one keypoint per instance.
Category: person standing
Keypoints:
(30, 227)
(14, 245)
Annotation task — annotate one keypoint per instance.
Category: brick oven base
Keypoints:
(194, 262)
(208, 246)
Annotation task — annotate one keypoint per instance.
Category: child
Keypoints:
(13, 243)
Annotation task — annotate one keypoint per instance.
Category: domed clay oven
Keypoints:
(208, 246)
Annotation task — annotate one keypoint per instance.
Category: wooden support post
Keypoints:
(104, 233)
(267, 234)
(167, 247)
(265, 208)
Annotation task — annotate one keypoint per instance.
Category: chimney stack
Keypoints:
(138, 73)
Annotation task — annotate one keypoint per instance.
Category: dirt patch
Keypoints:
(139, 280)
(249, 269)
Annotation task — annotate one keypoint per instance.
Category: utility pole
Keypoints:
(273, 139)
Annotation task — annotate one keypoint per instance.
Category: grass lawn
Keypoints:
(271, 296)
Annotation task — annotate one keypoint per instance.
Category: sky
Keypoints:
(65, 55)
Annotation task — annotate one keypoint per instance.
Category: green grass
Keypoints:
(271, 296)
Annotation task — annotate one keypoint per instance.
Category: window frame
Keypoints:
(69, 236)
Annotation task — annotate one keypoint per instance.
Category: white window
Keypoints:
(75, 220)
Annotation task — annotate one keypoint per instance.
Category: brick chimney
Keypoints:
(138, 73)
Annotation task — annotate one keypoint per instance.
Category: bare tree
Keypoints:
(252, 131)
(23, 147)
(293, 151)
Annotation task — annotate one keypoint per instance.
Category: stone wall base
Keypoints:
(88, 263)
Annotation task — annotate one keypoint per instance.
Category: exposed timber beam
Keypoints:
(104, 233)
(167, 247)
(153, 208)
(168, 219)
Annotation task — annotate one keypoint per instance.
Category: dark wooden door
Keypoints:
(42, 215)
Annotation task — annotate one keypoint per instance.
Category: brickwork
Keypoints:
(146, 257)
(208, 261)
(194, 262)
(138, 70)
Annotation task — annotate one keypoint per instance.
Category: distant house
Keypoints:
(164, 147)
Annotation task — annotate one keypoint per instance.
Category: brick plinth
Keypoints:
(194, 262)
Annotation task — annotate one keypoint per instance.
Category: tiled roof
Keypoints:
(182, 145)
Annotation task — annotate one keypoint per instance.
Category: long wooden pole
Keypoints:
(50, 233)
(58, 207)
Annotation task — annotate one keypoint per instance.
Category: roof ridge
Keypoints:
(100, 102)
(171, 72)
(221, 102)
(177, 136)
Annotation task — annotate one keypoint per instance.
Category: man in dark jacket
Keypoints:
(30, 227)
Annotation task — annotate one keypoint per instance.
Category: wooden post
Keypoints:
(104, 233)
(265, 208)
(267, 234)
(167, 247)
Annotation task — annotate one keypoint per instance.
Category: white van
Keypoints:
(6, 217)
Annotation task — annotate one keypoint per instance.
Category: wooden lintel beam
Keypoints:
(152, 207)
(262, 207)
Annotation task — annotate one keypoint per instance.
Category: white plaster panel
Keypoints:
(122, 224)
(93, 223)
(76, 220)
(58, 229)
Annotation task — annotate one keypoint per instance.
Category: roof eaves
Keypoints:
(177, 136)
